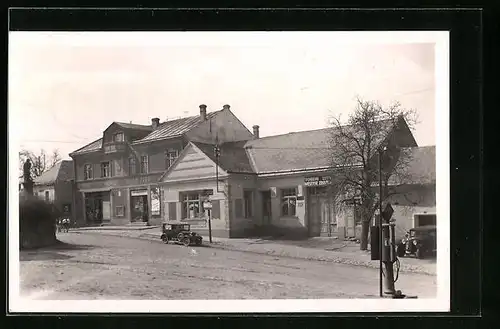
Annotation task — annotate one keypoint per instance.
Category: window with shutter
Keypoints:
(215, 209)
(172, 210)
(238, 208)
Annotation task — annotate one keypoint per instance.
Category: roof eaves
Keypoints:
(142, 141)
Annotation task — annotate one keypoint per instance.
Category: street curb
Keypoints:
(336, 259)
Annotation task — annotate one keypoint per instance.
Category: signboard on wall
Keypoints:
(155, 201)
(317, 181)
(273, 192)
(139, 192)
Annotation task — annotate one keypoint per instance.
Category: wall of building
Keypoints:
(220, 223)
(241, 226)
(410, 201)
(225, 125)
(297, 223)
(63, 192)
(39, 191)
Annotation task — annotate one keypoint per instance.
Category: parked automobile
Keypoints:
(180, 233)
(419, 241)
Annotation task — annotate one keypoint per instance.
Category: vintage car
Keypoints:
(419, 241)
(180, 233)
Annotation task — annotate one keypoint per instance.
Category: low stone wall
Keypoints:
(37, 223)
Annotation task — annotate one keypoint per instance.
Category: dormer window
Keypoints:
(118, 137)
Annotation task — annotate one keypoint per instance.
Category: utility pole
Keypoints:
(381, 248)
(217, 155)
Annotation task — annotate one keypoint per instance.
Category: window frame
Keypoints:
(248, 210)
(132, 163)
(88, 168)
(169, 160)
(118, 133)
(117, 213)
(102, 167)
(187, 201)
(144, 169)
(290, 200)
(47, 196)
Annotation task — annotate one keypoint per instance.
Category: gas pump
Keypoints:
(383, 248)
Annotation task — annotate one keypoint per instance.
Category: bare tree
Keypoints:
(40, 162)
(353, 149)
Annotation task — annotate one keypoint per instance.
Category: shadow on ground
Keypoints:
(51, 252)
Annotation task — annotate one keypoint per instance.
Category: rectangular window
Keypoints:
(87, 172)
(170, 157)
(248, 198)
(132, 168)
(144, 164)
(288, 201)
(120, 211)
(105, 169)
(47, 196)
(118, 137)
(192, 205)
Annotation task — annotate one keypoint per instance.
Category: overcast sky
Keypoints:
(68, 87)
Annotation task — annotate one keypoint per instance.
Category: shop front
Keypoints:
(97, 207)
(139, 206)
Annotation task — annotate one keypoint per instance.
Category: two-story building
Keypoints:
(117, 175)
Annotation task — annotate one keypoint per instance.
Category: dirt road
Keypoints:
(98, 267)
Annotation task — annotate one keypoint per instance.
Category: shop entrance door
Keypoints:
(266, 207)
(139, 208)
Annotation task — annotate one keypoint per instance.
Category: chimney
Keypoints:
(226, 107)
(203, 112)
(155, 122)
(255, 132)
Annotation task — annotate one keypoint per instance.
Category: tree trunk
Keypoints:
(365, 226)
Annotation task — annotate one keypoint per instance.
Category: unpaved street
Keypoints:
(104, 267)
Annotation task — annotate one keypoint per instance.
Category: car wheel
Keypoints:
(164, 239)
(186, 242)
(419, 253)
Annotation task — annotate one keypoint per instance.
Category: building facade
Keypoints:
(117, 175)
(56, 186)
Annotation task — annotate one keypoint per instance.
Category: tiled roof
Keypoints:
(233, 157)
(421, 166)
(174, 128)
(94, 146)
(63, 170)
(134, 126)
(296, 151)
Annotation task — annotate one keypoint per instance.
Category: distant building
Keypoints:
(56, 186)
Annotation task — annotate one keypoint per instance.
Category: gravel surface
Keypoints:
(107, 267)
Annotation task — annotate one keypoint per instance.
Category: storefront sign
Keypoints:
(317, 181)
(139, 192)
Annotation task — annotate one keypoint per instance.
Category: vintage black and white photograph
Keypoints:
(228, 171)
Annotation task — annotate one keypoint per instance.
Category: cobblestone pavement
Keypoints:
(93, 266)
(319, 249)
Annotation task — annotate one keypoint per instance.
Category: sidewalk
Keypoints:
(319, 249)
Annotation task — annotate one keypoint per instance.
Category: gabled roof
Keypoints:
(91, 147)
(134, 126)
(233, 157)
(62, 170)
(175, 128)
(303, 150)
(421, 167)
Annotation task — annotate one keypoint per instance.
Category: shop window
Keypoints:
(170, 157)
(132, 168)
(248, 203)
(105, 169)
(118, 137)
(192, 205)
(288, 202)
(144, 164)
(87, 172)
(120, 211)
